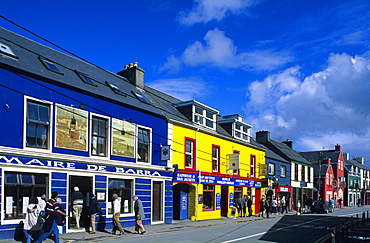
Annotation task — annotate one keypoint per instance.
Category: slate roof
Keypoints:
(28, 63)
(355, 163)
(167, 103)
(285, 152)
(314, 155)
(324, 169)
(269, 153)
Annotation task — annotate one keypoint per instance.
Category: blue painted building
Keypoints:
(65, 123)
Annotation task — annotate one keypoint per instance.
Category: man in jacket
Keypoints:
(116, 215)
(77, 201)
(93, 210)
(139, 215)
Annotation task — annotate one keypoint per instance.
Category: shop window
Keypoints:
(143, 147)
(282, 171)
(238, 192)
(38, 125)
(19, 189)
(215, 158)
(99, 136)
(190, 153)
(208, 197)
(124, 190)
(271, 169)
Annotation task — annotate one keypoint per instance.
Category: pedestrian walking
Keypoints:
(94, 208)
(139, 215)
(249, 205)
(267, 208)
(340, 202)
(262, 206)
(241, 209)
(309, 204)
(274, 206)
(298, 207)
(116, 215)
(60, 218)
(284, 207)
(33, 221)
(77, 201)
(50, 226)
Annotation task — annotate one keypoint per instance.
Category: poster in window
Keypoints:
(218, 201)
(25, 204)
(71, 128)
(123, 138)
(9, 205)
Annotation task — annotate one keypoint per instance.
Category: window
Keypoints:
(241, 131)
(303, 173)
(86, 79)
(308, 174)
(282, 171)
(253, 166)
(271, 169)
(38, 125)
(99, 139)
(190, 153)
(50, 65)
(204, 117)
(215, 158)
(115, 89)
(5, 49)
(19, 188)
(124, 190)
(296, 172)
(208, 197)
(141, 97)
(143, 146)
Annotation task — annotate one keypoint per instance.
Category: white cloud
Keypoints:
(205, 11)
(328, 107)
(181, 88)
(218, 50)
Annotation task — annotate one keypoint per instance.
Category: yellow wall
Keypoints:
(204, 144)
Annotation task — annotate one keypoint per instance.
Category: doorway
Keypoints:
(157, 201)
(84, 185)
(224, 200)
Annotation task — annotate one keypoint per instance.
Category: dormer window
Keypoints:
(234, 125)
(199, 113)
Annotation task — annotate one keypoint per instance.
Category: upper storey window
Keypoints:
(99, 136)
(6, 50)
(199, 113)
(235, 126)
(38, 125)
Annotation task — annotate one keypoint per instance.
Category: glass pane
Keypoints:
(209, 115)
(32, 112)
(189, 146)
(51, 66)
(198, 110)
(95, 126)
(27, 179)
(209, 123)
(44, 114)
(188, 161)
(102, 128)
(11, 178)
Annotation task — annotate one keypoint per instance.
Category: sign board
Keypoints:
(218, 201)
(165, 152)
(263, 169)
(234, 161)
(231, 200)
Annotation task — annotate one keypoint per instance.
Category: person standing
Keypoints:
(77, 201)
(60, 218)
(274, 206)
(93, 210)
(139, 215)
(267, 208)
(241, 209)
(249, 205)
(340, 202)
(33, 221)
(283, 205)
(262, 206)
(116, 215)
(50, 226)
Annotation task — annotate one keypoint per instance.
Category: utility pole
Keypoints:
(319, 180)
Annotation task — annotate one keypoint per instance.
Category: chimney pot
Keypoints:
(134, 74)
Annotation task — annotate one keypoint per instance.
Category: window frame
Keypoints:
(46, 62)
(269, 171)
(296, 176)
(7, 51)
(202, 116)
(50, 125)
(111, 191)
(216, 160)
(192, 154)
(283, 175)
(303, 173)
(252, 165)
(107, 136)
(149, 146)
(212, 192)
(85, 78)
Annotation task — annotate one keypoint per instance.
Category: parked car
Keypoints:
(322, 207)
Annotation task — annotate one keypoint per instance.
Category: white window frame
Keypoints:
(108, 133)
(271, 168)
(51, 125)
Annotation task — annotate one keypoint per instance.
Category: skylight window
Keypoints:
(86, 79)
(50, 66)
(115, 89)
(5, 49)
(141, 97)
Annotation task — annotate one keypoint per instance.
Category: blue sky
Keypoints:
(299, 69)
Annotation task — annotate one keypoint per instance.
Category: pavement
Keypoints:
(179, 225)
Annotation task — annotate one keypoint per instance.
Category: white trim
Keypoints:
(162, 201)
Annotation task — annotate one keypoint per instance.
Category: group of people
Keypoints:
(273, 206)
(45, 218)
(242, 204)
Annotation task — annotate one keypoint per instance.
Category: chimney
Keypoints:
(338, 148)
(345, 156)
(134, 74)
(288, 143)
(263, 136)
(360, 159)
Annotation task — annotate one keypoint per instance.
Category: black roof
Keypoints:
(27, 62)
(314, 155)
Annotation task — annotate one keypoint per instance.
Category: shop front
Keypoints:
(200, 196)
(23, 178)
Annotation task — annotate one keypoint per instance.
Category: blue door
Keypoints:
(184, 205)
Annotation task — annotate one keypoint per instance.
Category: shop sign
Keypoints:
(218, 201)
(80, 166)
(216, 180)
(231, 200)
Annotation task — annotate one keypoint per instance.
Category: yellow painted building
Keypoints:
(216, 162)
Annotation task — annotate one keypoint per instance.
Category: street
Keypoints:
(287, 228)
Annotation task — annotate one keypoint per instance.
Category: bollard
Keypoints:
(363, 218)
(357, 222)
(351, 222)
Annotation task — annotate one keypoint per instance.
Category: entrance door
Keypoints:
(85, 187)
(257, 200)
(157, 201)
(224, 201)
